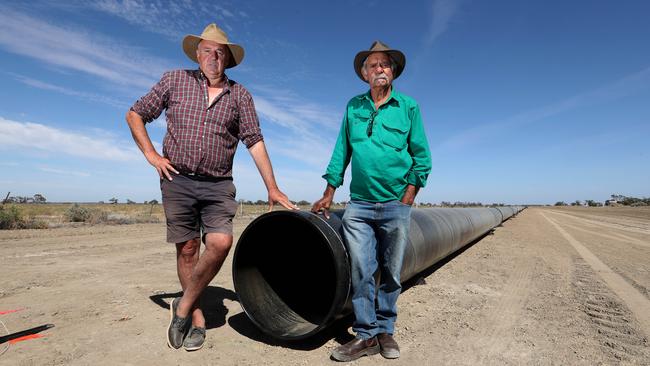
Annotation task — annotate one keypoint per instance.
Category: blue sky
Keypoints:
(523, 102)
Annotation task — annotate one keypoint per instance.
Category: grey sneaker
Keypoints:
(195, 338)
(177, 326)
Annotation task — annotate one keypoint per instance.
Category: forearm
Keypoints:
(409, 194)
(139, 133)
(263, 162)
(324, 203)
(329, 191)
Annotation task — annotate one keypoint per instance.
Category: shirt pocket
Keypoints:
(394, 133)
(358, 125)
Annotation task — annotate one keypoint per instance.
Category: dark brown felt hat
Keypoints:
(378, 46)
(213, 33)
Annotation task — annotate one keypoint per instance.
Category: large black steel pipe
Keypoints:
(292, 273)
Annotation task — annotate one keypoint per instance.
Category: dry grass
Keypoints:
(625, 211)
(58, 214)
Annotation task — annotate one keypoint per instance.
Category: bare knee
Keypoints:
(219, 243)
(188, 250)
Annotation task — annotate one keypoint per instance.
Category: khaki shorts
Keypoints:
(195, 207)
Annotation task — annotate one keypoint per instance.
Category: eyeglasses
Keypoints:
(371, 123)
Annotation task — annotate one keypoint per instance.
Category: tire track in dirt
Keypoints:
(609, 317)
(495, 334)
(617, 237)
(633, 299)
(642, 229)
(597, 228)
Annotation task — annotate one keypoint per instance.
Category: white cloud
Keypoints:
(625, 86)
(171, 19)
(74, 93)
(298, 184)
(442, 13)
(78, 50)
(63, 172)
(27, 137)
(307, 131)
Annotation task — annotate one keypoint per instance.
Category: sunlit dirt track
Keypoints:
(566, 286)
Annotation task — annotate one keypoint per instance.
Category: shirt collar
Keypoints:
(202, 78)
(392, 98)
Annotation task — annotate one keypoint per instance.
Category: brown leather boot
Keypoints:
(389, 347)
(355, 349)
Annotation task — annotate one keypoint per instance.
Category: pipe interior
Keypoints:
(286, 275)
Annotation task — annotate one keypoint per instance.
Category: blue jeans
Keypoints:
(376, 235)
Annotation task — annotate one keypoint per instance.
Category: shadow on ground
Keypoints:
(337, 331)
(211, 302)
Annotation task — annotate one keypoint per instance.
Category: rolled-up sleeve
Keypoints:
(419, 150)
(250, 132)
(151, 105)
(340, 157)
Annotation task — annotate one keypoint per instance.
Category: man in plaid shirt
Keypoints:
(207, 115)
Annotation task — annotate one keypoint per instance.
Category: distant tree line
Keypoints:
(37, 198)
(630, 201)
(616, 199)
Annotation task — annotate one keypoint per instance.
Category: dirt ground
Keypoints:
(552, 286)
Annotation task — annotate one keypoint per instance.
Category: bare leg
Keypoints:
(217, 246)
(187, 256)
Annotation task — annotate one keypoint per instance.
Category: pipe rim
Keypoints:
(336, 249)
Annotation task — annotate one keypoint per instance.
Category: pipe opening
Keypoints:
(285, 274)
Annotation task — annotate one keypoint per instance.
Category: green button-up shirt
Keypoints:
(394, 155)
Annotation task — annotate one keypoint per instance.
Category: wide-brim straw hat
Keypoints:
(378, 46)
(216, 34)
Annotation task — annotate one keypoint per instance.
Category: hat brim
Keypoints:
(395, 55)
(191, 43)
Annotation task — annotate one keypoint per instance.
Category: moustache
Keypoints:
(379, 77)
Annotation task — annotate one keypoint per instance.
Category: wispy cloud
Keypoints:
(171, 19)
(308, 129)
(298, 184)
(623, 87)
(291, 111)
(63, 172)
(78, 50)
(442, 13)
(29, 137)
(74, 93)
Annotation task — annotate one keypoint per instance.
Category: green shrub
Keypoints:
(32, 223)
(10, 218)
(77, 213)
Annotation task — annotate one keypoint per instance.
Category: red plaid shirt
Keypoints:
(201, 139)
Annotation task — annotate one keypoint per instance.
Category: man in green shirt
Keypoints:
(382, 135)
